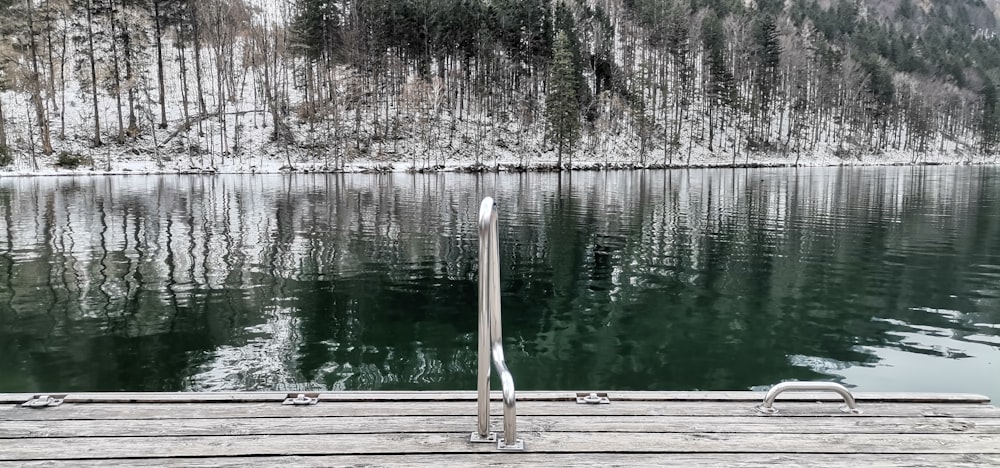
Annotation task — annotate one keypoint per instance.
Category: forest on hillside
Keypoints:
(426, 81)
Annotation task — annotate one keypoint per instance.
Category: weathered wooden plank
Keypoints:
(741, 460)
(248, 397)
(435, 424)
(152, 397)
(562, 442)
(535, 408)
(200, 397)
(900, 397)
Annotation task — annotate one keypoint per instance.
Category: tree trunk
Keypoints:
(220, 79)
(182, 58)
(149, 113)
(3, 128)
(117, 75)
(93, 73)
(51, 91)
(62, 80)
(159, 62)
(36, 88)
(133, 124)
(711, 127)
(202, 108)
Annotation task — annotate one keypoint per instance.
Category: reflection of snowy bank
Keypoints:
(264, 362)
(366, 281)
(419, 368)
(816, 363)
(269, 361)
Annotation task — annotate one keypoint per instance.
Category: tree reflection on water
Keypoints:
(661, 280)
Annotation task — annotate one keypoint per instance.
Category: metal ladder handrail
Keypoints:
(490, 337)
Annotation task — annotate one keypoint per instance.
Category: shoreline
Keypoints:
(147, 168)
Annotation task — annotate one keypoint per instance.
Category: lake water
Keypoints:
(884, 279)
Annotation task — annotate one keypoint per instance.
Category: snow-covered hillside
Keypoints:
(237, 97)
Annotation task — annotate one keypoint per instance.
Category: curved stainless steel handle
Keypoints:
(490, 336)
(510, 440)
(767, 407)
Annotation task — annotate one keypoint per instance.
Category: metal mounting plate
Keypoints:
(517, 446)
(301, 399)
(593, 398)
(478, 439)
(44, 401)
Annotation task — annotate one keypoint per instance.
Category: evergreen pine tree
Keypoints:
(565, 22)
(767, 55)
(719, 85)
(316, 27)
(562, 104)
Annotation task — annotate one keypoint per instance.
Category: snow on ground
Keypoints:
(270, 158)
(499, 147)
(474, 143)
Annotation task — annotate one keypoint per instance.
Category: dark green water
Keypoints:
(885, 279)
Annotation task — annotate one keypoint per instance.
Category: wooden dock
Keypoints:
(425, 428)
